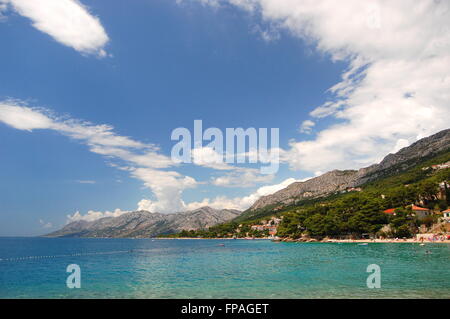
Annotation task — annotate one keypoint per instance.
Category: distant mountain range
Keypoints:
(143, 224)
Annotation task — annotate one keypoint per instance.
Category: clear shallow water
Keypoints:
(146, 268)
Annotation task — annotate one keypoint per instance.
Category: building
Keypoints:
(421, 212)
(258, 227)
(446, 215)
(418, 211)
(271, 225)
(272, 230)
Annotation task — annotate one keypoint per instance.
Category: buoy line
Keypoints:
(65, 255)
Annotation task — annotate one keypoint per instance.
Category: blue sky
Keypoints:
(148, 67)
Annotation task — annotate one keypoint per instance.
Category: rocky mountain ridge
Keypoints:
(143, 224)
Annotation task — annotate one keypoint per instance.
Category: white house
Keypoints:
(446, 215)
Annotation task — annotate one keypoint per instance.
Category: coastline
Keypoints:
(197, 238)
(328, 241)
(386, 241)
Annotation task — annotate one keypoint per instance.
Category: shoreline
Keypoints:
(197, 238)
(329, 241)
(385, 241)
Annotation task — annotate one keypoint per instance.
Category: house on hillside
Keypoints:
(418, 211)
(446, 215)
(421, 212)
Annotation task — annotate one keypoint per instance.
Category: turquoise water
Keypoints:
(146, 268)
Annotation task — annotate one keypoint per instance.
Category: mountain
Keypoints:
(143, 224)
(340, 181)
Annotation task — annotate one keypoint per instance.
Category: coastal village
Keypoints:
(437, 232)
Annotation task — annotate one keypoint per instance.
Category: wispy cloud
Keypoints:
(67, 21)
(3, 9)
(86, 182)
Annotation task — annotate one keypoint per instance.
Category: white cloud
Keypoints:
(93, 215)
(23, 118)
(307, 126)
(241, 203)
(401, 143)
(397, 86)
(19, 116)
(67, 21)
(167, 186)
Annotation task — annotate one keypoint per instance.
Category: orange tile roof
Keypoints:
(390, 211)
(414, 207)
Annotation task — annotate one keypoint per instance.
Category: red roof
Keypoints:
(446, 211)
(390, 211)
(414, 207)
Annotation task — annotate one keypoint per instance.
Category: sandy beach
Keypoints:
(394, 241)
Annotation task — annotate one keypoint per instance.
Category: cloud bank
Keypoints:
(396, 88)
(91, 215)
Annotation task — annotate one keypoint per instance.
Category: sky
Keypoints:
(92, 90)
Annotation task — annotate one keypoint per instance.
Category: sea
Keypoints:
(262, 269)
